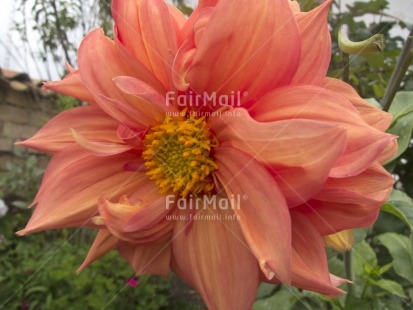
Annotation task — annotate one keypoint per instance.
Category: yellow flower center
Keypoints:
(177, 156)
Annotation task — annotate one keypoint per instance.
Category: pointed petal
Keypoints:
(264, 216)
(89, 121)
(347, 203)
(299, 153)
(104, 243)
(148, 31)
(99, 148)
(214, 258)
(370, 114)
(97, 74)
(310, 268)
(73, 182)
(72, 86)
(315, 45)
(152, 258)
(220, 65)
(364, 143)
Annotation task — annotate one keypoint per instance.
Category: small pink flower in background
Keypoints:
(132, 282)
(306, 150)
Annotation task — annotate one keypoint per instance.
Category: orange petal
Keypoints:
(73, 182)
(310, 268)
(148, 31)
(89, 121)
(72, 86)
(99, 148)
(139, 89)
(299, 153)
(97, 74)
(104, 243)
(214, 258)
(364, 143)
(347, 203)
(264, 216)
(371, 115)
(152, 258)
(220, 65)
(315, 45)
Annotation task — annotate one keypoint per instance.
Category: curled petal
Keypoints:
(73, 181)
(315, 45)
(299, 153)
(214, 258)
(99, 148)
(264, 216)
(362, 194)
(104, 243)
(94, 51)
(89, 121)
(310, 268)
(72, 86)
(148, 31)
(369, 113)
(220, 66)
(364, 143)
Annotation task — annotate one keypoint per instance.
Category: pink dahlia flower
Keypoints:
(231, 104)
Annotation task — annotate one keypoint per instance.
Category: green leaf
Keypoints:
(402, 125)
(363, 256)
(391, 208)
(389, 286)
(401, 250)
(353, 303)
(283, 299)
(404, 206)
(265, 290)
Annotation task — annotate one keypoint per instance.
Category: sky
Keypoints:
(16, 60)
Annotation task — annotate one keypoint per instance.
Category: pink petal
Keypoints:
(220, 65)
(364, 143)
(347, 203)
(143, 91)
(299, 153)
(214, 258)
(89, 121)
(104, 243)
(310, 268)
(148, 31)
(72, 86)
(99, 148)
(73, 182)
(264, 216)
(370, 114)
(152, 258)
(315, 45)
(94, 51)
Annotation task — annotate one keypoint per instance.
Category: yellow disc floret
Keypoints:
(177, 156)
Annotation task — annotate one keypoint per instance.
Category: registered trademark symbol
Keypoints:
(245, 197)
(245, 94)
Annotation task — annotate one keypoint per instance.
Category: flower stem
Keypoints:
(348, 268)
(399, 71)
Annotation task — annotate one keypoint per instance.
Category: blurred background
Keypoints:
(37, 37)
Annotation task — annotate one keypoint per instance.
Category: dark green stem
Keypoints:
(399, 71)
(348, 268)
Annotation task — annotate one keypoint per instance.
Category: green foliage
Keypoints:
(402, 125)
(19, 184)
